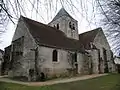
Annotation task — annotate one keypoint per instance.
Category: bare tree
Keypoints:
(33, 8)
(110, 12)
(3, 16)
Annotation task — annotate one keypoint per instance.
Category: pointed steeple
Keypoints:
(61, 13)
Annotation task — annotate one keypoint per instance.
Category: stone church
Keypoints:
(56, 49)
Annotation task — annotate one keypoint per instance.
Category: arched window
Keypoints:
(70, 25)
(55, 59)
(73, 27)
(57, 26)
(75, 57)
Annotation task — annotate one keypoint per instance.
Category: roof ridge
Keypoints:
(43, 25)
(97, 29)
(89, 36)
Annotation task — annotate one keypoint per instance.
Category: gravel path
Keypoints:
(51, 82)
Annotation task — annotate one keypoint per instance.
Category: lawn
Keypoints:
(109, 82)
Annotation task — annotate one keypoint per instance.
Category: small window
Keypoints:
(55, 54)
(57, 26)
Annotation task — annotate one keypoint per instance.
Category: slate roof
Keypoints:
(88, 37)
(61, 13)
(50, 36)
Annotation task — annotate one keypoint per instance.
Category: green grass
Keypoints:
(109, 82)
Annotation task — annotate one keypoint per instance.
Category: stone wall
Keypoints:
(101, 43)
(27, 59)
(6, 62)
(84, 64)
(46, 64)
(95, 61)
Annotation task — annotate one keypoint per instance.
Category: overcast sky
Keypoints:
(83, 11)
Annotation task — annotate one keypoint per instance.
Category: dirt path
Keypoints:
(51, 82)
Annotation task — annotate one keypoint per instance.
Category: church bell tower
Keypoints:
(64, 22)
